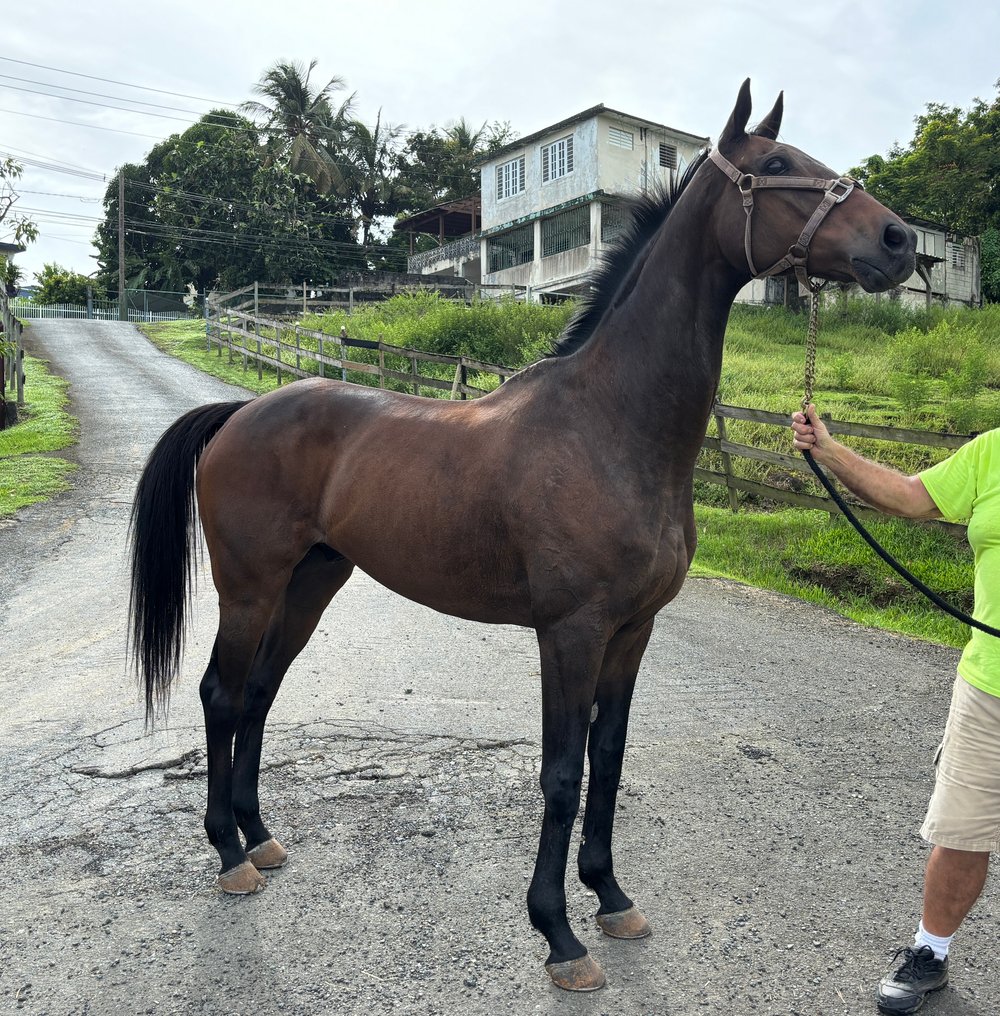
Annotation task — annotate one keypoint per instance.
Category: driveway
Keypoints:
(778, 767)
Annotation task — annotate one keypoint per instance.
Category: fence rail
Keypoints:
(11, 364)
(287, 347)
(96, 310)
(795, 464)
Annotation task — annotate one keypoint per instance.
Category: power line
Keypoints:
(103, 105)
(125, 84)
(76, 123)
(100, 95)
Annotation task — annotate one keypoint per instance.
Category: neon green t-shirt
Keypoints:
(966, 488)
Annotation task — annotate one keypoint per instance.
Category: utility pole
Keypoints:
(122, 299)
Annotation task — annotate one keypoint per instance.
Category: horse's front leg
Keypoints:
(571, 659)
(617, 916)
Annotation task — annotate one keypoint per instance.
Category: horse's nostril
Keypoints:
(895, 237)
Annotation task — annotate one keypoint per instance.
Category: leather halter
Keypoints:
(835, 191)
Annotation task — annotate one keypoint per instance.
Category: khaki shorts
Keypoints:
(964, 811)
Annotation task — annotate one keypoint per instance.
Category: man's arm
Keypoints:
(883, 488)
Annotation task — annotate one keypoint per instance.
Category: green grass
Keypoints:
(877, 362)
(26, 475)
(822, 560)
(185, 339)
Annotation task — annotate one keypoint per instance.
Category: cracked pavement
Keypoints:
(777, 770)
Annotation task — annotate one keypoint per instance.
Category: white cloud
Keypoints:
(854, 74)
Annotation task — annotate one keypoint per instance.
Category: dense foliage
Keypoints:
(292, 188)
(948, 174)
(56, 284)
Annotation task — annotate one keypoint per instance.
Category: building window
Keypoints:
(508, 250)
(621, 139)
(510, 178)
(614, 219)
(956, 256)
(668, 155)
(565, 231)
(557, 159)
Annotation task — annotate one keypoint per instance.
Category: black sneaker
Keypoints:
(904, 989)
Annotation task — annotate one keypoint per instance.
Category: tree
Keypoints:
(947, 174)
(305, 128)
(371, 174)
(442, 165)
(19, 228)
(61, 285)
(208, 208)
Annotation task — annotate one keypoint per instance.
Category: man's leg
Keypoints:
(953, 881)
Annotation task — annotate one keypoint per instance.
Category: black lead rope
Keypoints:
(889, 559)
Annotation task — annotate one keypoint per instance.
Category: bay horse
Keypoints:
(569, 489)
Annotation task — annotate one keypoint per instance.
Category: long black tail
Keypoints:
(162, 533)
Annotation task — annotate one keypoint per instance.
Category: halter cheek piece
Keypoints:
(835, 191)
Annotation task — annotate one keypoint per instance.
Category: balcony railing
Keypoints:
(457, 250)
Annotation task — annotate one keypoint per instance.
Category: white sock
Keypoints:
(938, 943)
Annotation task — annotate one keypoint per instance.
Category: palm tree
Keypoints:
(372, 153)
(306, 128)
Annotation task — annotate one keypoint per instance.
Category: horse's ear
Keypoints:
(771, 124)
(736, 127)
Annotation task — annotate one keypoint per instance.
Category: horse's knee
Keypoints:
(561, 791)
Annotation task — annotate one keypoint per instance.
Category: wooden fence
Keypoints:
(288, 348)
(11, 363)
(794, 464)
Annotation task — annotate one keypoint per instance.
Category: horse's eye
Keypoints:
(775, 166)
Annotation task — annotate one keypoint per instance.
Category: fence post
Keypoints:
(727, 465)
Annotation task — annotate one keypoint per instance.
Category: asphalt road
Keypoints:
(778, 767)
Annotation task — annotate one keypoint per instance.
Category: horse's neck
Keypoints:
(657, 354)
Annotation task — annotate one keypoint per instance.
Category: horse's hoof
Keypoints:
(242, 880)
(583, 974)
(267, 855)
(625, 924)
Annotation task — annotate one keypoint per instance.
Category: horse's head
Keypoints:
(786, 210)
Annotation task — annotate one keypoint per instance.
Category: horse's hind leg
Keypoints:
(617, 916)
(241, 626)
(316, 580)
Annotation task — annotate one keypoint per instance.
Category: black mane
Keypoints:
(615, 268)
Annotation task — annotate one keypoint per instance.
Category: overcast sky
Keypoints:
(855, 74)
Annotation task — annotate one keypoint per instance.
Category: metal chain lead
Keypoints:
(810, 377)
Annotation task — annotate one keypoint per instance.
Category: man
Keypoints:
(963, 817)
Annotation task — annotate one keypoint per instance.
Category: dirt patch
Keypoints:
(850, 581)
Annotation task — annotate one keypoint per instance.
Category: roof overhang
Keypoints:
(450, 218)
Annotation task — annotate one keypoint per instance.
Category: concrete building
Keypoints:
(551, 202)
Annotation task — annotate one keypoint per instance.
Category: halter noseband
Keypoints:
(835, 191)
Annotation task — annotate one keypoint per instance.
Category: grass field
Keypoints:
(27, 474)
(877, 363)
